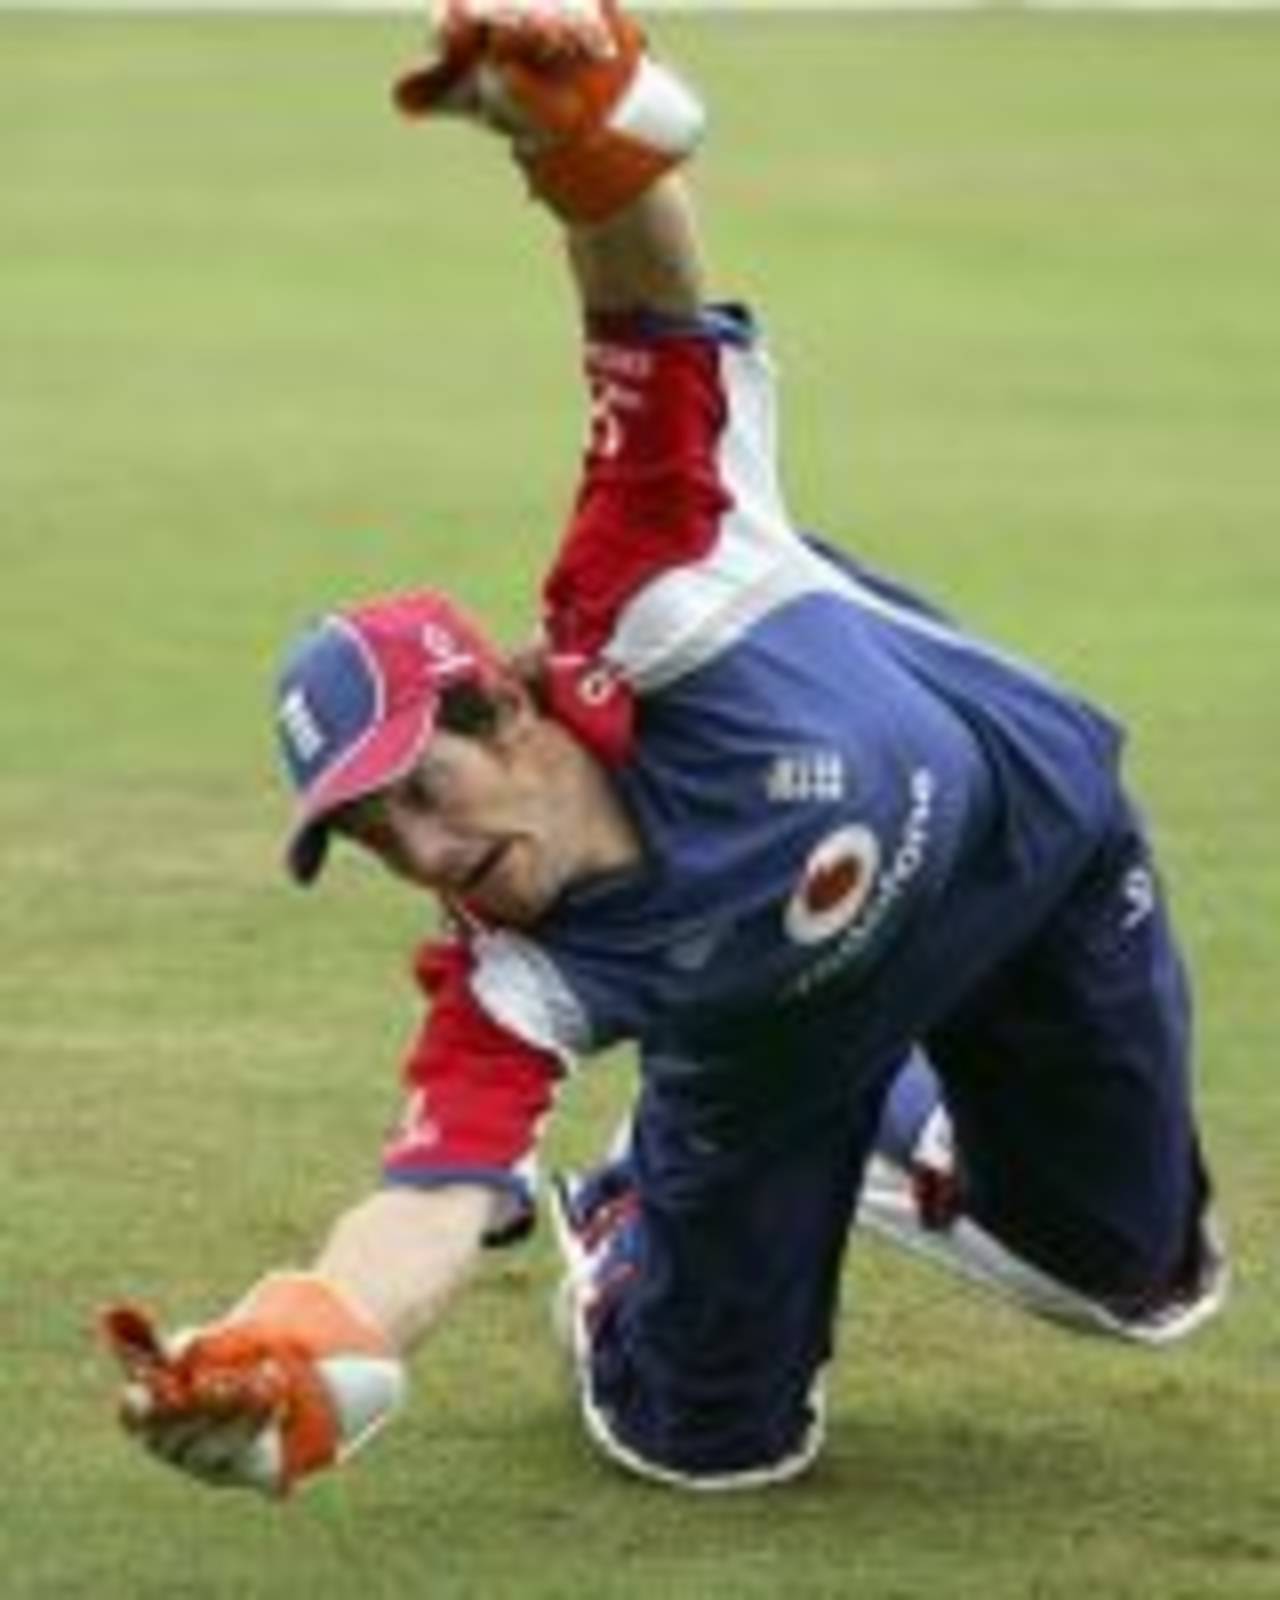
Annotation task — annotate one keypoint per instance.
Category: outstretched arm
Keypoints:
(308, 1365)
(646, 258)
(403, 1253)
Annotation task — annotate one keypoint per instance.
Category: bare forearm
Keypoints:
(648, 257)
(403, 1253)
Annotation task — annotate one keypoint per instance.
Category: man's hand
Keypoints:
(594, 120)
(294, 1379)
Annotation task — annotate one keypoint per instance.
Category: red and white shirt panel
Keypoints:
(476, 1093)
(680, 538)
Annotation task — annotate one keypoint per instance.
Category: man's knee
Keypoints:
(1143, 1300)
(638, 1430)
(661, 1395)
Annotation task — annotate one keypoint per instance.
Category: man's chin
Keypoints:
(500, 912)
(507, 902)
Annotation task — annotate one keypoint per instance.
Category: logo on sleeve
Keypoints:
(834, 886)
(416, 1132)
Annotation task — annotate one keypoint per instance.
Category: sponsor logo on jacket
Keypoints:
(846, 890)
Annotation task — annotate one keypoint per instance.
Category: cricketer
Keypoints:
(867, 894)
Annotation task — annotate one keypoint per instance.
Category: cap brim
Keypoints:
(386, 755)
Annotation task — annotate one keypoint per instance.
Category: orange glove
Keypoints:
(594, 119)
(294, 1379)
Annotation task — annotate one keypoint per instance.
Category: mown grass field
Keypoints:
(261, 349)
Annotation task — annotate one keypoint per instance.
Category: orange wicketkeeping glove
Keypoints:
(294, 1379)
(593, 118)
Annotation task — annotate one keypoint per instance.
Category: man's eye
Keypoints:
(419, 793)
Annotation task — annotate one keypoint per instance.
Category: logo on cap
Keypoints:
(449, 657)
(300, 728)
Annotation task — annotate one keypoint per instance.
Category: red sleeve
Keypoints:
(477, 1094)
(651, 496)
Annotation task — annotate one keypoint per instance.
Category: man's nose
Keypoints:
(433, 852)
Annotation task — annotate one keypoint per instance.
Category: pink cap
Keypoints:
(357, 700)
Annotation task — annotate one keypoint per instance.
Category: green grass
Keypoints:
(261, 348)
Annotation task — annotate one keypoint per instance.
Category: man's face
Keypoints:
(477, 820)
